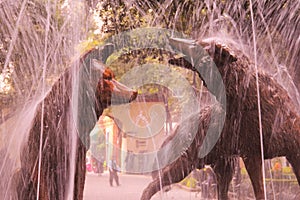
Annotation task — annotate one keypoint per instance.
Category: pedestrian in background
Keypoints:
(113, 172)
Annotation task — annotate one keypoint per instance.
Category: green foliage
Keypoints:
(98, 144)
(157, 59)
(42, 36)
(118, 17)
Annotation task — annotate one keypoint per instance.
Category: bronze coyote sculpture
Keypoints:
(240, 134)
(94, 91)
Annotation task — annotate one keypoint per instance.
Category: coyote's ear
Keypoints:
(220, 53)
(98, 65)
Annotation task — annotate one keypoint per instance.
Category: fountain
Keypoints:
(280, 124)
(44, 155)
(35, 50)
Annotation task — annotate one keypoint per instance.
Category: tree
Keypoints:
(34, 37)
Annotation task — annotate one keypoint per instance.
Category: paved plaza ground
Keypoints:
(98, 188)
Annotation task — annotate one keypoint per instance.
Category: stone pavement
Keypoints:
(98, 188)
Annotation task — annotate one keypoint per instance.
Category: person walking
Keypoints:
(113, 172)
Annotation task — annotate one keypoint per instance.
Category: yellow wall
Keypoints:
(135, 118)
